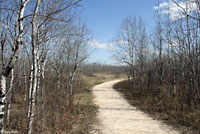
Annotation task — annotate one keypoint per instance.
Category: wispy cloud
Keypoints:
(122, 42)
(161, 5)
(176, 11)
(100, 45)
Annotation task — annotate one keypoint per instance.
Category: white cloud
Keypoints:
(176, 11)
(162, 5)
(122, 42)
(99, 45)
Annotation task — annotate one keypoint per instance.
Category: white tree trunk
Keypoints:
(32, 92)
(2, 102)
(12, 60)
(34, 82)
(10, 96)
(71, 82)
(38, 80)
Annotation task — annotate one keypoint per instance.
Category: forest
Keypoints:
(43, 44)
(45, 79)
(163, 65)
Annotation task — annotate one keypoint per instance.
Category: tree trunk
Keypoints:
(2, 101)
(34, 82)
(42, 106)
(12, 61)
(32, 94)
(71, 82)
(10, 91)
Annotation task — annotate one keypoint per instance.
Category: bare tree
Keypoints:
(43, 20)
(131, 47)
(70, 54)
(17, 42)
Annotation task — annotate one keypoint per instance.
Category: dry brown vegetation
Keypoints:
(163, 64)
(61, 114)
(98, 78)
(41, 55)
(163, 106)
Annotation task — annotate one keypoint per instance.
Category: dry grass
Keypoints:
(99, 78)
(85, 99)
(163, 107)
(61, 114)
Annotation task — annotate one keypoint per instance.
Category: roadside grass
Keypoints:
(98, 78)
(62, 114)
(170, 110)
(84, 98)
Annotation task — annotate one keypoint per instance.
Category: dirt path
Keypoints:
(117, 116)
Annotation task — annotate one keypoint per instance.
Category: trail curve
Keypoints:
(117, 116)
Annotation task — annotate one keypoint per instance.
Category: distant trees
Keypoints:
(95, 68)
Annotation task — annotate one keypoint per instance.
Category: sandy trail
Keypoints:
(117, 116)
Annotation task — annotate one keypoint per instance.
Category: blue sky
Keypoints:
(104, 17)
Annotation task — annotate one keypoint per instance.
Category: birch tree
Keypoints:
(44, 22)
(131, 46)
(17, 42)
(126, 44)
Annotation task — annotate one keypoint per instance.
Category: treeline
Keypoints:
(93, 68)
(43, 44)
(165, 62)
